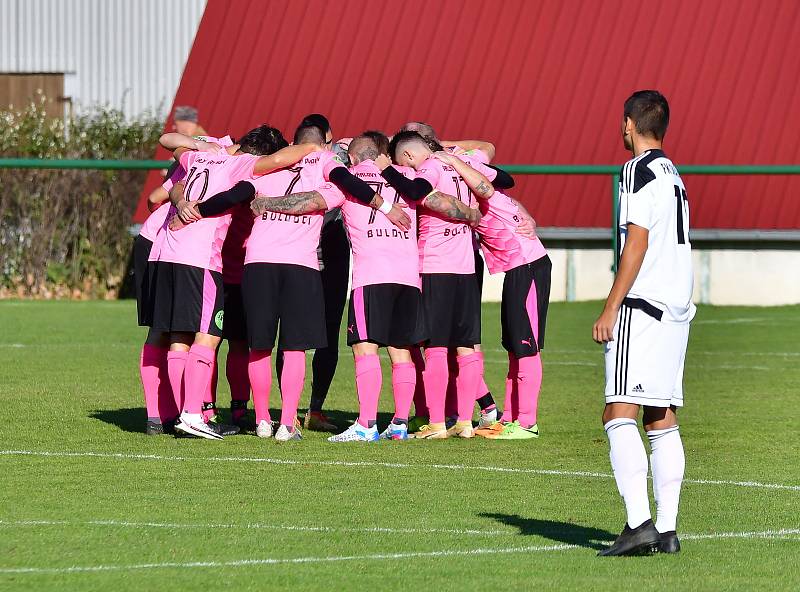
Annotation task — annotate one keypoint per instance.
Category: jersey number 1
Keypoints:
(681, 203)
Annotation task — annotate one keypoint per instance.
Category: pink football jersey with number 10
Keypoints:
(200, 244)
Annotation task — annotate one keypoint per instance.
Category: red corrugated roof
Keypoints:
(545, 81)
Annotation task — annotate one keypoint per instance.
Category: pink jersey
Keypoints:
(179, 172)
(382, 253)
(200, 244)
(155, 222)
(285, 238)
(445, 246)
(503, 247)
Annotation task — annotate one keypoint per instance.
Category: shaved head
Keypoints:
(423, 129)
(362, 148)
(409, 149)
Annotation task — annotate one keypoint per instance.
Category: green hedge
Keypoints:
(64, 233)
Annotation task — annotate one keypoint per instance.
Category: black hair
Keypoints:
(309, 133)
(262, 140)
(401, 138)
(319, 120)
(380, 139)
(649, 111)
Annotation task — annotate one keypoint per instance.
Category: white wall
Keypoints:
(128, 54)
(723, 276)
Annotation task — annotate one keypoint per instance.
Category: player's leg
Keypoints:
(160, 405)
(632, 380)
(404, 382)
(301, 308)
(466, 333)
(483, 396)
(260, 298)
(667, 463)
(335, 272)
(210, 396)
(235, 330)
(526, 293)
(421, 413)
(201, 292)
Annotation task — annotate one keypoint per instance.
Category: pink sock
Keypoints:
(259, 371)
(210, 396)
(435, 378)
(470, 369)
(404, 381)
(511, 401)
(368, 385)
(420, 404)
(236, 372)
(197, 376)
(176, 363)
(150, 364)
(451, 398)
(292, 379)
(482, 387)
(529, 383)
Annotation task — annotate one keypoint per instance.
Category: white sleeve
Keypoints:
(637, 208)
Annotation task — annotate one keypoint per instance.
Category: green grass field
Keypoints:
(87, 501)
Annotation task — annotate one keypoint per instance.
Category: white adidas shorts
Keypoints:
(644, 363)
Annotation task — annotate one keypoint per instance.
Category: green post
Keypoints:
(614, 218)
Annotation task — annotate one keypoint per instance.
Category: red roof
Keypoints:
(544, 81)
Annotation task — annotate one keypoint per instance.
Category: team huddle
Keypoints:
(233, 253)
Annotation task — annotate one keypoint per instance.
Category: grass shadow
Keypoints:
(562, 532)
(129, 419)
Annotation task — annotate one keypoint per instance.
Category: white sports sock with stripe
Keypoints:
(629, 462)
(667, 462)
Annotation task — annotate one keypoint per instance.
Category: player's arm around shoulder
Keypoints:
(283, 158)
(630, 263)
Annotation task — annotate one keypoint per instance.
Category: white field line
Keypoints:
(278, 527)
(768, 534)
(343, 463)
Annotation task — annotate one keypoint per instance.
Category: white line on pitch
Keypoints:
(287, 527)
(768, 534)
(343, 463)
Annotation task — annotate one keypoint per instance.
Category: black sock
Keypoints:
(486, 401)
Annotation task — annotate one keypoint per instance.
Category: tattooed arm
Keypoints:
(294, 203)
(475, 180)
(451, 208)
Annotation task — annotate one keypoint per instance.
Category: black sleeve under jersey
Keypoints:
(349, 183)
(221, 202)
(503, 180)
(413, 189)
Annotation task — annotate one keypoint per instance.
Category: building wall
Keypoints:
(129, 54)
(721, 276)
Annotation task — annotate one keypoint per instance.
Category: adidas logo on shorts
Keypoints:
(638, 389)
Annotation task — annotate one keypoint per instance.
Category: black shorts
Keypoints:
(479, 272)
(186, 299)
(141, 253)
(452, 306)
(291, 294)
(523, 312)
(386, 314)
(235, 328)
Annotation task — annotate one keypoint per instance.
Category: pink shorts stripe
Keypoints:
(361, 317)
(532, 306)
(209, 300)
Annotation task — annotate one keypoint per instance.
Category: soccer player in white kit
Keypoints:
(645, 329)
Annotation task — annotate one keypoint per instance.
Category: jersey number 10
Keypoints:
(682, 204)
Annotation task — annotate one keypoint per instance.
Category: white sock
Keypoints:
(667, 462)
(629, 462)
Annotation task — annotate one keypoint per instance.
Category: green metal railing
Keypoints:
(519, 169)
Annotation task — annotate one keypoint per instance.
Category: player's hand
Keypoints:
(187, 212)
(527, 227)
(383, 162)
(176, 224)
(399, 218)
(474, 218)
(603, 329)
(445, 157)
(203, 146)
